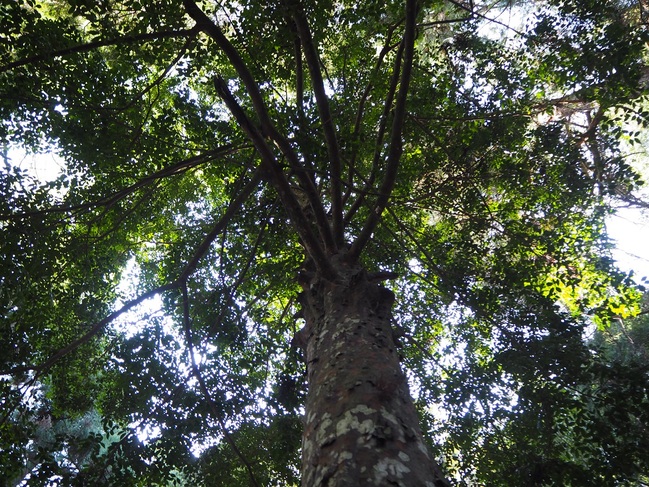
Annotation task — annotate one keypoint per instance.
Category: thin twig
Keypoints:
(96, 328)
(197, 373)
(103, 43)
(388, 46)
(383, 123)
(107, 201)
(184, 275)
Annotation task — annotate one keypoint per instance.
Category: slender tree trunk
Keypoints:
(361, 426)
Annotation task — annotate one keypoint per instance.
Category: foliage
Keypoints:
(148, 293)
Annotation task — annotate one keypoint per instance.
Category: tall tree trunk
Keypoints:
(361, 426)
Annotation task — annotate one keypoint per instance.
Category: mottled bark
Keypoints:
(361, 427)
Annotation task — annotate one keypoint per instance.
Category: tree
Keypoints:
(422, 192)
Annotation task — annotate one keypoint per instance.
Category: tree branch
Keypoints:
(299, 69)
(267, 126)
(233, 288)
(322, 101)
(167, 70)
(270, 164)
(184, 275)
(173, 170)
(376, 160)
(219, 227)
(361, 108)
(396, 143)
(197, 373)
(632, 200)
(103, 43)
(471, 11)
(96, 328)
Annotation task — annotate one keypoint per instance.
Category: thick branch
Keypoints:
(322, 101)
(383, 123)
(396, 143)
(267, 126)
(270, 164)
(593, 125)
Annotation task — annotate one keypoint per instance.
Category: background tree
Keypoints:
(207, 290)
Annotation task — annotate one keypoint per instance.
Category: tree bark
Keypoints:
(361, 426)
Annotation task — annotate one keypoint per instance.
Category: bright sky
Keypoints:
(630, 230)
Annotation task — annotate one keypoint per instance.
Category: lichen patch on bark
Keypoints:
(389, 468)
(350, 421)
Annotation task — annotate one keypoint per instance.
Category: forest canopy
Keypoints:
(272, 213)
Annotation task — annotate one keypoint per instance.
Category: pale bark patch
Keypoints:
(351, 421)
(389, 468)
